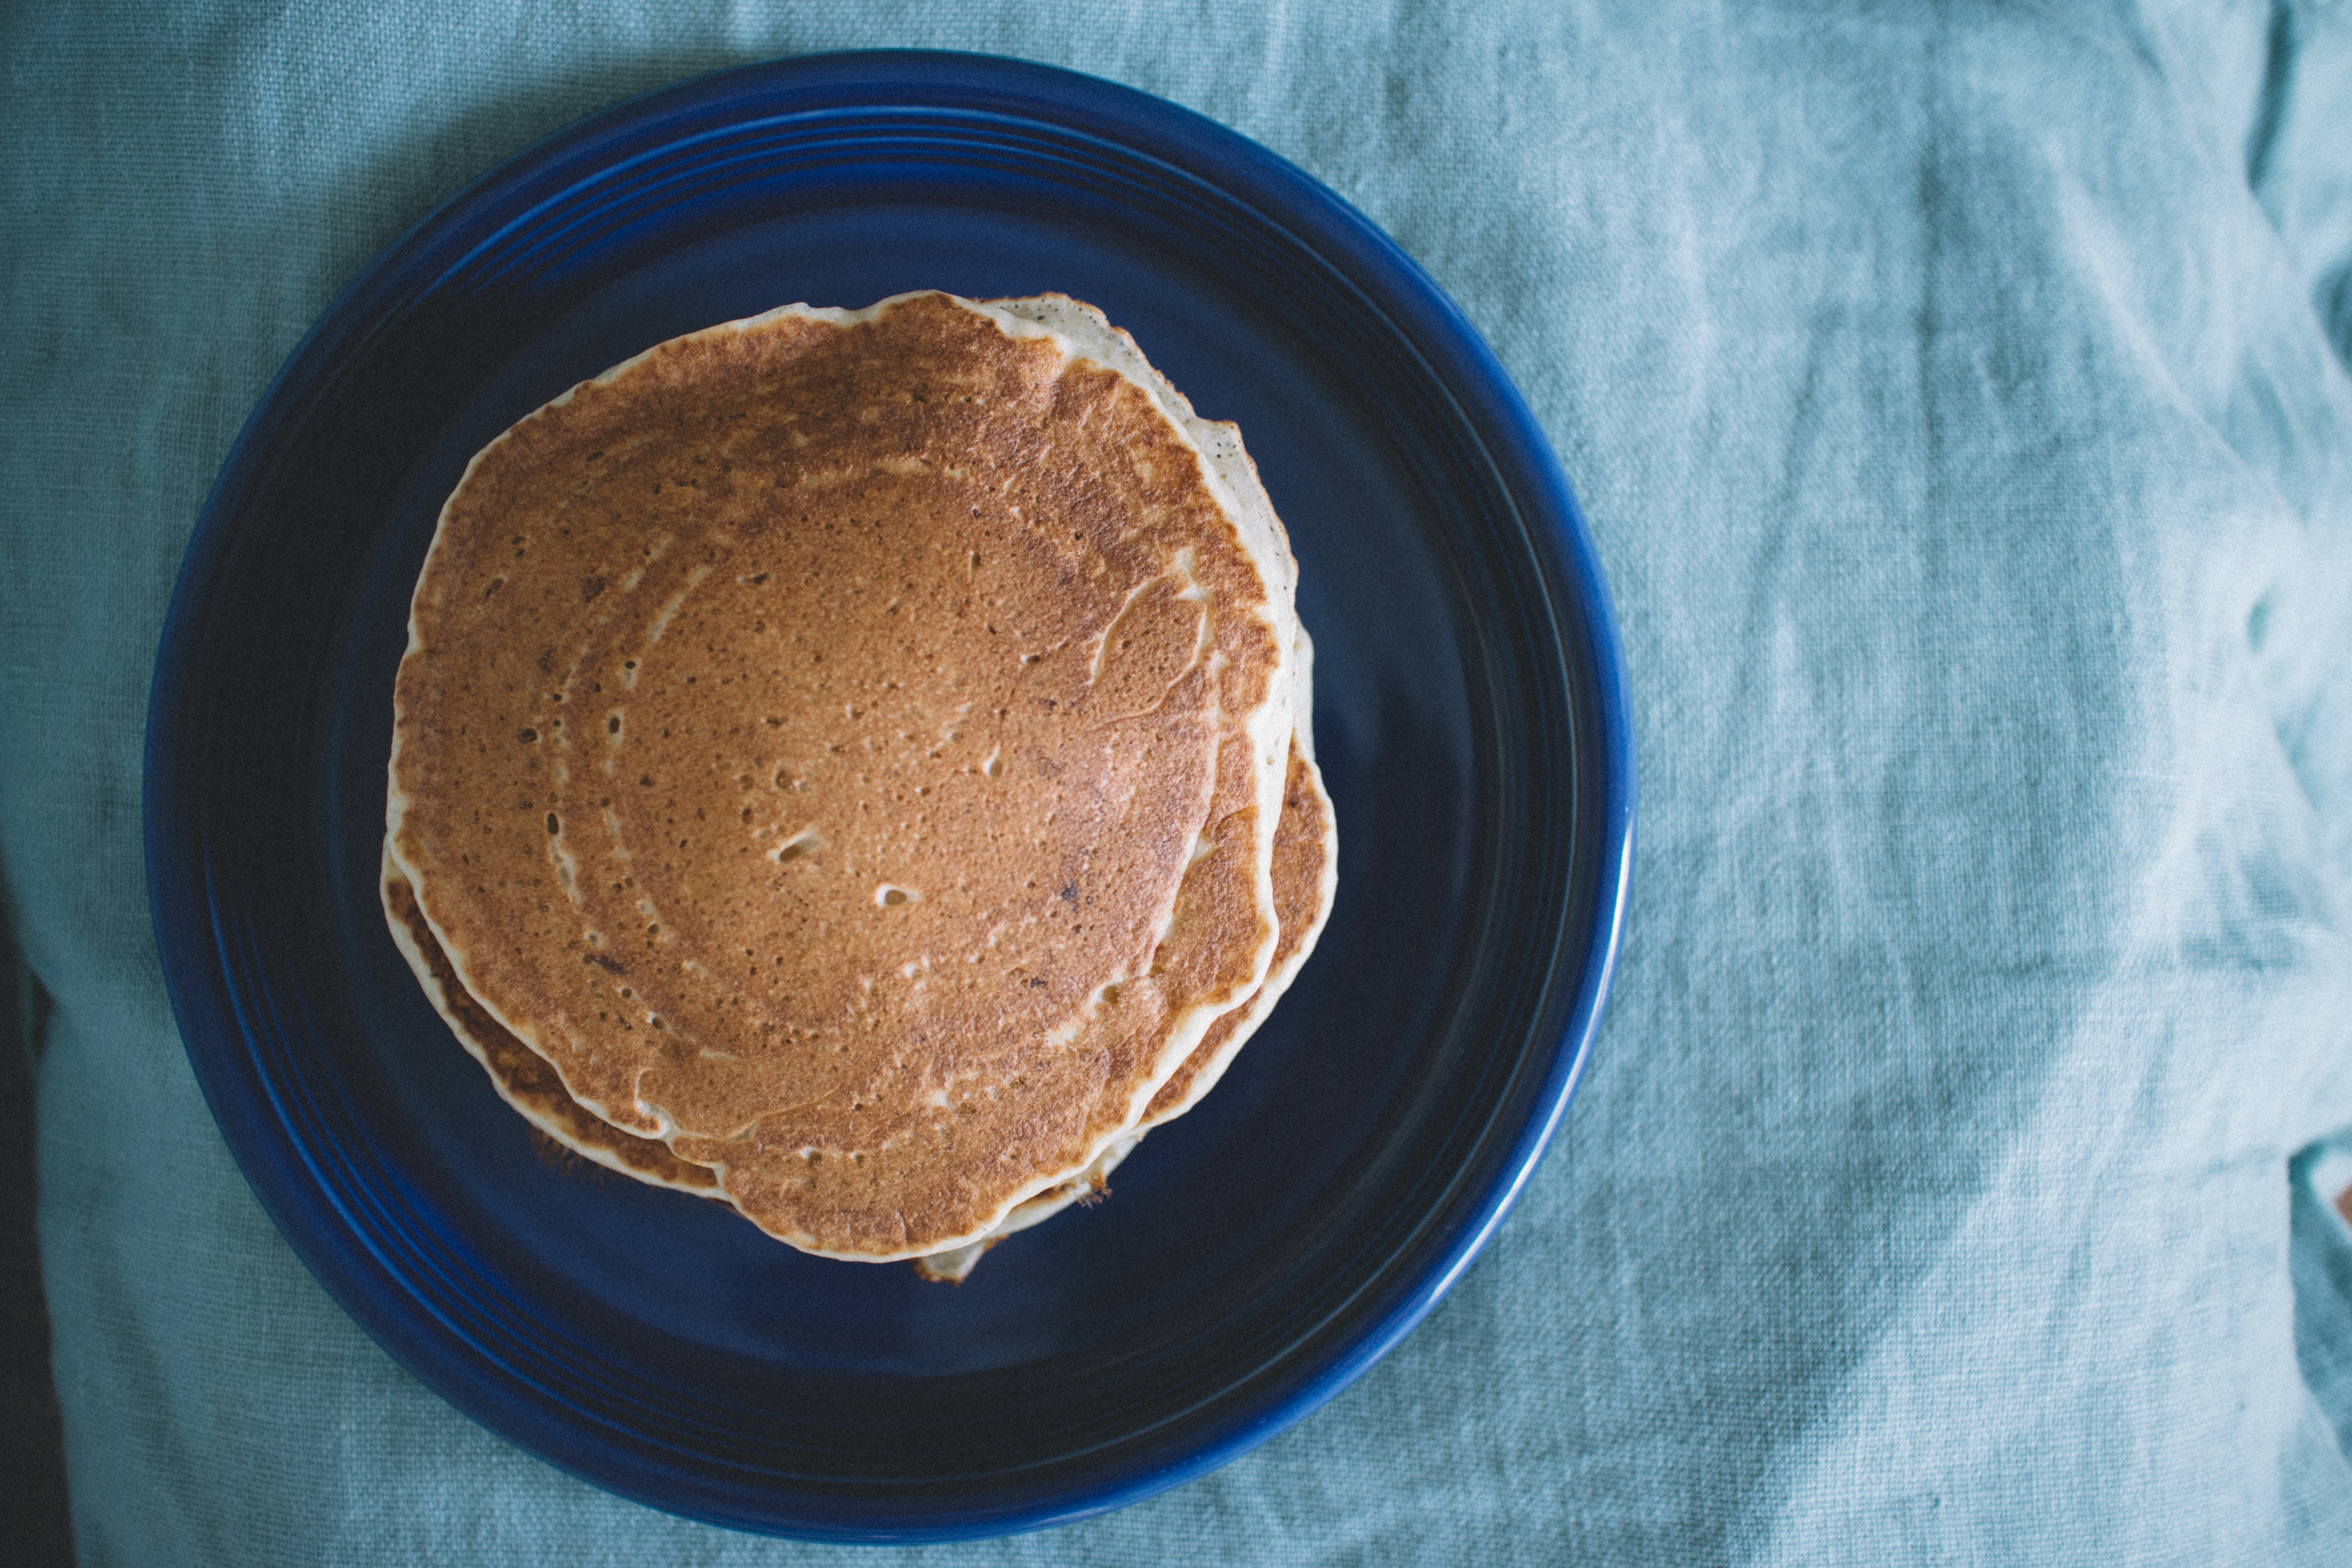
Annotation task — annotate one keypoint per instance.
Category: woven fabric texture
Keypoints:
(1960, 405)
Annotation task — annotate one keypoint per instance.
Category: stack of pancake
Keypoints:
(857, 766)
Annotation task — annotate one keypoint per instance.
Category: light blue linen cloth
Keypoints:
(1960, 406)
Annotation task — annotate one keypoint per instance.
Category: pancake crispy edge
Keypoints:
(1306, 882)
(1305, 870)
(522, 1076)
(637, 1113)
(953, 1266)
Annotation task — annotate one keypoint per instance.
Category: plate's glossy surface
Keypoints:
(1258, 1254)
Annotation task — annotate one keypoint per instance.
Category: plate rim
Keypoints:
(860, 79)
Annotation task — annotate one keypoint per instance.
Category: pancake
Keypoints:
(808, 732)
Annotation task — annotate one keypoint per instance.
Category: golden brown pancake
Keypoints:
(806, 733)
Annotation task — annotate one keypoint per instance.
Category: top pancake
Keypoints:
(805, 729)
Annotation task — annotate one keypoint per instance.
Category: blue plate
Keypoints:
(1258, 1255)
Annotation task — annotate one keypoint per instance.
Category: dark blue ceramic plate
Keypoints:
(1258, 1255)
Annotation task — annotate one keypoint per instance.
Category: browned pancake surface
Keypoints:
(521, 1075)
(805, 732)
